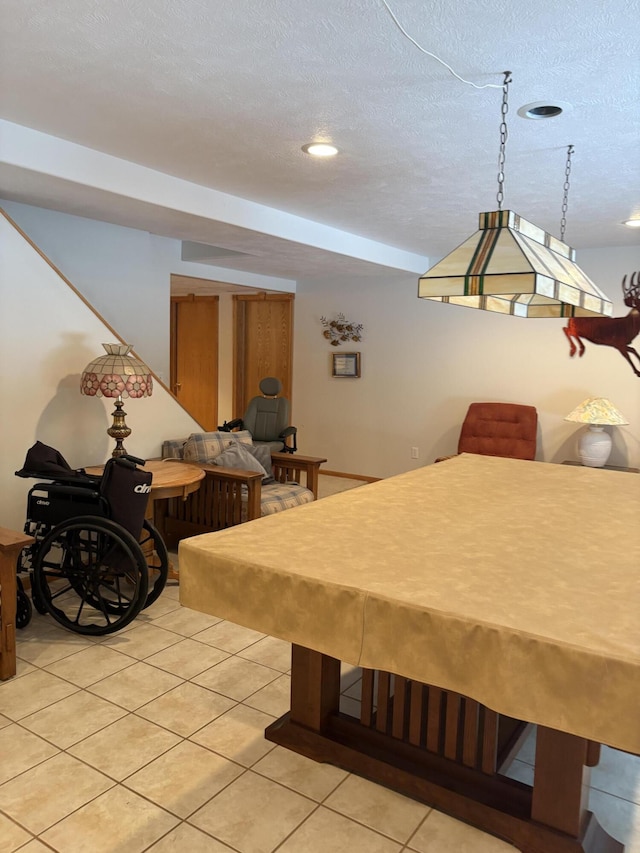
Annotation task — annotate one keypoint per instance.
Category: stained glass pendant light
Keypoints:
(513, 267)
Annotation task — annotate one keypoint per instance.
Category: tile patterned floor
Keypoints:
(152, 740)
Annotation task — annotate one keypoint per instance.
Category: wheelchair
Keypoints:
(95, 562)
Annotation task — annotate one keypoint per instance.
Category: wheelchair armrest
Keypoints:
(227, 426)
(284, 435)
(127, 459)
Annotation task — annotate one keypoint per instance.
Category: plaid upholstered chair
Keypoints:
(499, 429)
(242, 482)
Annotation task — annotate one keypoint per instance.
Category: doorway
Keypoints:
(194, 356)
(263, 344)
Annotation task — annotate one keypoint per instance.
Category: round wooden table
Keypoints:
(171, 479)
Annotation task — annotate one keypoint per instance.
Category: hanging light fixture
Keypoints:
(565, 197)
(513, 267)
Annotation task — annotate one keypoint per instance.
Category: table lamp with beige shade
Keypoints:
(117, 374)
(594, 444)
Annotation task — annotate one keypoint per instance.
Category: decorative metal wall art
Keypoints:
(341, 330)
(616, 332)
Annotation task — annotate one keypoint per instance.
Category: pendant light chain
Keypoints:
(565, 200)
(503, 138)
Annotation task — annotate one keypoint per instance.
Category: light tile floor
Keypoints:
(152, 740)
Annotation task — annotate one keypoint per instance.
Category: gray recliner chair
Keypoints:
(267, 419)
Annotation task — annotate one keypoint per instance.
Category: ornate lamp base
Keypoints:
(594, 446)
(118, 429)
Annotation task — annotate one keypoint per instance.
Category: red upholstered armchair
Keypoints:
(499, 429)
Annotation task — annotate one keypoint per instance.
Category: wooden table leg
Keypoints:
(561, 790)
(156, 512)
(561, 785)
(315, 687)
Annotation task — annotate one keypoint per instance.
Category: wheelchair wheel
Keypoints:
(91, 575)
(157, 560)
(157, 557)
(24, 610)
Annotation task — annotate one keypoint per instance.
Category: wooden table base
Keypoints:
(447, 751)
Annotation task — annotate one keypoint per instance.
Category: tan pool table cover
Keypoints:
(515, 583)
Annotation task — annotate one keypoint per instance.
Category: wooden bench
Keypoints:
(11, 543)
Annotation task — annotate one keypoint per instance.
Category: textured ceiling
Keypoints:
(224, 92)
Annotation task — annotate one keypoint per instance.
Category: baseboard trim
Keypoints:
(350, 476)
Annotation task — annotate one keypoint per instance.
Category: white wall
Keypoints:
(125, 274)
(47, 336)
(424, 362)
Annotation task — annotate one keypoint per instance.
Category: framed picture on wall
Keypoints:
(345, 364)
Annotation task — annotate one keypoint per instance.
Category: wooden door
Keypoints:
(263, 344)
(194, 356)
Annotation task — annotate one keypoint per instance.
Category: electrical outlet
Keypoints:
(414, 452)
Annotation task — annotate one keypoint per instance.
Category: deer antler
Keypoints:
(633, 290)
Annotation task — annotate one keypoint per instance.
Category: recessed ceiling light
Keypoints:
(544, 109)
(320, 149)
(632, 223)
